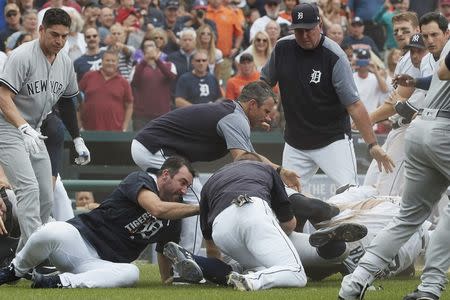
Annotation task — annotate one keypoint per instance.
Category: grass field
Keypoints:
(149, 287)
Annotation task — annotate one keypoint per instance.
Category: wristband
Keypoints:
(370, 146)
(447, 61)
(279, 170)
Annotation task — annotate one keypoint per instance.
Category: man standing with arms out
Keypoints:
(197, 86)
(318, 95)
(206, 132)
(427, 169)
(36, 76)
(95, 249)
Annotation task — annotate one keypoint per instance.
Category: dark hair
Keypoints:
(20, 39)
(434, 17)
(249, 156)
(257, 90)
(173, 164)
(56, 16)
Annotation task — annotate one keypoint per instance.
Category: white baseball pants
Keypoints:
(75, 258)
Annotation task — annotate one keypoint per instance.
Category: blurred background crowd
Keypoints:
(138, 59)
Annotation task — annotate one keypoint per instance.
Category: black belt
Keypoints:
(440, 113)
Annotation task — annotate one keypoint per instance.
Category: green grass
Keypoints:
(149, 287)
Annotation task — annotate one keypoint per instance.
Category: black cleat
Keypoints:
(8, 275)
(46, 282)
(347, 232)
(419, 295)
(183, 263)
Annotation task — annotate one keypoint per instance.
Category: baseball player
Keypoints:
(34, 78)
(405, 25)
(206, 132)
(427, 170)
(318, 95)
(95, 250)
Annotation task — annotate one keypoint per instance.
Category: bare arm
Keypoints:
(128, 114)
(289, 226)
(443, 72)
(212, 251)
(164, 267)
(384, 111)
(8, 107)
(181, 102)
(165, 210)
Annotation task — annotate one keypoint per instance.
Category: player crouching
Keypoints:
(95, 250)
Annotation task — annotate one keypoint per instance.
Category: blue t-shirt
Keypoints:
(86, 63)
(198, 89)
(120, 229)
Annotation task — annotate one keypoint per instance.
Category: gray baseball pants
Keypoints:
(31, 178)
(427, 176)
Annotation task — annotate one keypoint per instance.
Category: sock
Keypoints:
(213, 269)
(332, 249)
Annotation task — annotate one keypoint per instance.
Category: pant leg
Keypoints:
(252, 236)
(43, 170)
(191, 236)
(300, 162)
(437, 258)
(18, 169)
(62, 206)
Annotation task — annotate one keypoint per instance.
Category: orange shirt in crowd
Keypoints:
(228, 27)
(285, 15)
(236, 83)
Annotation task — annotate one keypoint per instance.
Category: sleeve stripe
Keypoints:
(9, 86)
(71, 95)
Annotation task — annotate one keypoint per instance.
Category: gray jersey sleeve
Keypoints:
(72, 85)
(343, 82)
(236, 131)
(15, 71)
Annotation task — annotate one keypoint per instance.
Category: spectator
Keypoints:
(246, 73)
(272, 8)
(91, 13)
(75, 45)
(91, 60)
(112, 4)
(106, 20)
(260, 49)
(12, 17)
(154, 17)
(118, 39)
(23, 38)
(207, 41)
(288, 6)
(198, 86)
(134, 35)
(421, 7)
(384, 17)
(85, 201)
(356, 36)
(274, 31)
(444, 8)
(196, 18)
(151, 86)
(333, 15)
(69, 3)
(126, 9)
(182, 57)
(336, 33)
(25, 5)
(159, 35)
(392, 59)
(229, 32)
(251, 16)
(108, 103)
(139, 53)
(369, 81)
(170, 19)
(29, 25)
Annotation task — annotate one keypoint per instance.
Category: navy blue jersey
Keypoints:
(86, 63)
(198, 89)
(120, 229)
(316, 86)
(202, 132)
(250, 178)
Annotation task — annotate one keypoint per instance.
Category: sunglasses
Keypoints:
(158, 38)
(201, 60)
(10, 14)
(91, 36)
(205, 33)
(261, 40)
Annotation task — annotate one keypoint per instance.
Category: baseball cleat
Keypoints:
(419, 295)
(183, 263)
(239, 282)
(41, 281)
(8, 275)
(347, 232)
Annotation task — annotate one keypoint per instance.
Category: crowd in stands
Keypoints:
(138, 59)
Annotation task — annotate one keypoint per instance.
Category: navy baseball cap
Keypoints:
(362, 57)
(416, 41)
(357, 21)
(305, 16)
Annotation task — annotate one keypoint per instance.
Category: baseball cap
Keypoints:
(245, 57)
(362, 57)
(200, 4)
(416, 41)
(122, 14)
(305, 16)
(357, 21)
(172, 4)
(11, 7)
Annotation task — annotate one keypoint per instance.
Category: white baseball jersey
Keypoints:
(38, 85)
(427, 67)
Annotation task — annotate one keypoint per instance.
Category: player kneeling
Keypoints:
(95, 250)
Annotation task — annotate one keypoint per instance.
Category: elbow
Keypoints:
(289, 226)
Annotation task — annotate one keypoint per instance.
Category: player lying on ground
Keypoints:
(95, 250)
